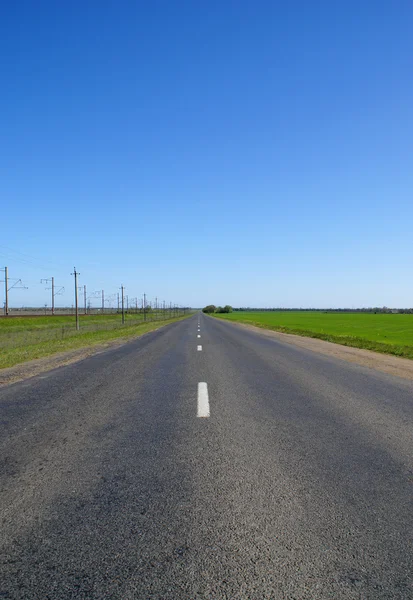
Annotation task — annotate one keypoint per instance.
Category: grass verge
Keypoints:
(396, 349)
(34, 348)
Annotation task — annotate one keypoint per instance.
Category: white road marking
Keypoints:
(199, 348)
(198, 335)
(203, 400)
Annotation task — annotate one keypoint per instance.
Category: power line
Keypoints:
(27, 259)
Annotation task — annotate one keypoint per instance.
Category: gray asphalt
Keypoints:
(298, 486)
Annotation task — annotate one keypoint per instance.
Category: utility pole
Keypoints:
(123, 305)
(52, 288)
(144, 307)
(84, 295)
(75, 273)
(103, 301)
(6, 279)
(7, 289)
(54, 293)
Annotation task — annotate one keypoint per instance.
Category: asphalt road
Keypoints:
(298, 485)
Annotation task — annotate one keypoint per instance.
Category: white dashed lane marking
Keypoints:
(203, 400)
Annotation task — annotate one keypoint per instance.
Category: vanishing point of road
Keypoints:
(205, 460)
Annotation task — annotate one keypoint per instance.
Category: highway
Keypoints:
(207, 461)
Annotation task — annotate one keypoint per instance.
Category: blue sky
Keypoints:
(250, 153)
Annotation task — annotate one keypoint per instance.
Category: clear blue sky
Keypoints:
(252, 153)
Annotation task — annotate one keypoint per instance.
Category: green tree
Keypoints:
(211, 308)
(225, 309)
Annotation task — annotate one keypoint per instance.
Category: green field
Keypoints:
(388, 333)
(26, 338)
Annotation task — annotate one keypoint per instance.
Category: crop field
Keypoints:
(388, 333)
(26, 338)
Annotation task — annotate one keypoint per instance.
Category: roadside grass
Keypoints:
(25, 338)
(385, 333)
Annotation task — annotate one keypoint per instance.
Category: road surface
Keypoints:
(207, 462)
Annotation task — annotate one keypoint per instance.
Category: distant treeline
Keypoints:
(211, 308)
(374, 310)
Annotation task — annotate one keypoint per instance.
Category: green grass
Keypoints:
(387, 333)
(27, 338)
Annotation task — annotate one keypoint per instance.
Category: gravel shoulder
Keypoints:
(393, 365)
